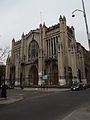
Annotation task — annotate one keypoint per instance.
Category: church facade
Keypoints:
(47, 55)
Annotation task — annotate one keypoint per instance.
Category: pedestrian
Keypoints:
(4, 91)
(22, 87)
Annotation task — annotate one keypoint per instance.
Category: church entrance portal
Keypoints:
(33, 76)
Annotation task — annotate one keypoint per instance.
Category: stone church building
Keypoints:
(47, 55)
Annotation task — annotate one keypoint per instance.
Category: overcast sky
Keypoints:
(18, 16)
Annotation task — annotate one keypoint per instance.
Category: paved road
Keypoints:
(39, 105)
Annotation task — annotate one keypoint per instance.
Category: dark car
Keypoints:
(78, 86)
(85, 86)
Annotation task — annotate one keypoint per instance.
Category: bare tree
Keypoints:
(4, 53)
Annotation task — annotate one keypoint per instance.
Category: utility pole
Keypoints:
(85, 18)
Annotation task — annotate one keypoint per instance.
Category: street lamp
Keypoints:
(84, 14)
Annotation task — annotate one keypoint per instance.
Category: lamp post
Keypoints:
(85, 18)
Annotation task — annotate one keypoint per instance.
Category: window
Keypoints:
(69, 42)
(54, 47)
(33, 50)
(47, 48)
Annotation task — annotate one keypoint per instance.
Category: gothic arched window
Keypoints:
(33, 50)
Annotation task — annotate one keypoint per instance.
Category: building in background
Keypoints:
(87, 65)
(47, 55)
(86, 56)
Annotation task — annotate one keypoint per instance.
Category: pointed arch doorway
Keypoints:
(33, 76)
(53, 74)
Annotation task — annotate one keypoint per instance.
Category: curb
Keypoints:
(46, 89)
(10, 100)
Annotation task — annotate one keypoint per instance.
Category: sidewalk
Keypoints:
(46, 89)
(10, 100)
(17, 97)
(83, 113)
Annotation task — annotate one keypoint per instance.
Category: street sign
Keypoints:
(45, 77)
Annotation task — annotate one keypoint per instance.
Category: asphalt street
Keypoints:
(44, 105)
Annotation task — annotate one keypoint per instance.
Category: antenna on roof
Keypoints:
(41, 17)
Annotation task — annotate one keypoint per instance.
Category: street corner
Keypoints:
(2, 99)
(10, 100)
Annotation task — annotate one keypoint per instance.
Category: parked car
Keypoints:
(85, 86)
(77, 86)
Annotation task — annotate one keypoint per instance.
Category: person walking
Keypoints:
(4, 91)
